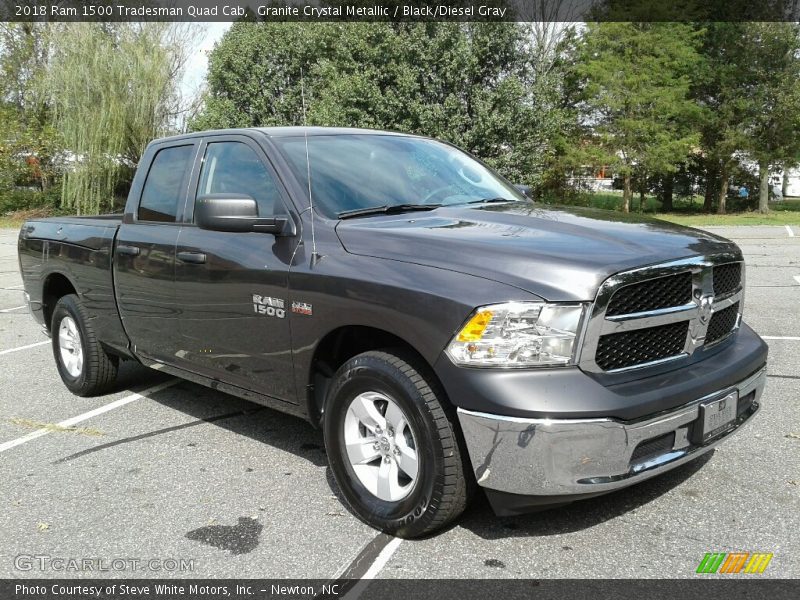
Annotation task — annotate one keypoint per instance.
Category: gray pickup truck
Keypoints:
(442, 329)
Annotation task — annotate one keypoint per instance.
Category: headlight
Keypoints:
(518, 334)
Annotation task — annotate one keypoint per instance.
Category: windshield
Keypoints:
(360, 171)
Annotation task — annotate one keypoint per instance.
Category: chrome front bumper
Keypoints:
(552, 457)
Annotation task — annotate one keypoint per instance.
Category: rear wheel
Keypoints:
(84, 366)
(393, 446)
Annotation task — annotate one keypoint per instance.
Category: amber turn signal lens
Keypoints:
(473, 330)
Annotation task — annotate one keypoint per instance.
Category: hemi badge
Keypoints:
(302, 308)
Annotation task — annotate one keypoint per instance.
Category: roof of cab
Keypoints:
(285, 132)
(311, 131)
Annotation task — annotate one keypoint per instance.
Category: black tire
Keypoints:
(99, 369)
(441, 489)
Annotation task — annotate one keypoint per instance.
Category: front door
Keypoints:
(232, 288)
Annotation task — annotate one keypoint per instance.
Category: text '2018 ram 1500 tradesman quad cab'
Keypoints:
(440, 327)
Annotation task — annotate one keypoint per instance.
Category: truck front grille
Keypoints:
(621, 350)
(722, 323)
(652, 295)
(663, 312)
(727, 278)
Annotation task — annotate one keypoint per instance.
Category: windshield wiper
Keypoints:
(386, 209)
(490, 200)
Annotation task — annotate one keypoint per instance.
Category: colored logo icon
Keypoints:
(734, 562)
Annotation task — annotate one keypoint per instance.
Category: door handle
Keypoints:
(196, 258)
(128, 250)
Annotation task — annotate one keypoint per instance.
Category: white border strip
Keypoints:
(780, 337)
(87, 415)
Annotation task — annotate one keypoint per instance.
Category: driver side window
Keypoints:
(235, 168)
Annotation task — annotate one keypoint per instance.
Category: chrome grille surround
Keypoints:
(697, 312)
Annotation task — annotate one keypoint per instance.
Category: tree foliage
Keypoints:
(773, 91)
(635, 97)
(468, 83)
(113, 88)
(28, 142)
(538, 100)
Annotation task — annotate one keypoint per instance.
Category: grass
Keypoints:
(749, 218)
(10, 222)
(687, 211)
(15, 219)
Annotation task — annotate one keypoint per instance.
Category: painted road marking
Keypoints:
(7, 310)
(797, 278)
(88, 415)
(780, 337)
(10, 350)
(383, 558)
(789, 230)
(390, 545)
(353, 579)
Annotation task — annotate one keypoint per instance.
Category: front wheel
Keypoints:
(393, 446)
(84, 366)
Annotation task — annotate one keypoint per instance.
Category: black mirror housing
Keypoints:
(237, 213)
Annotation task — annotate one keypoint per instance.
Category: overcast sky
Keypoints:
(197, 66)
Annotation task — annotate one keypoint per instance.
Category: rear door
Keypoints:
(144, 254)
(232, 288)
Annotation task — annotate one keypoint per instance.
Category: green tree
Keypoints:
(749, 90)
(773, 134)
(468, 83)
(28, 142)
(255, 75)
(635, 98)
(720, 90)
(113, 88)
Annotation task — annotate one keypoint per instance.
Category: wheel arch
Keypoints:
(56, 285)
(340, 345)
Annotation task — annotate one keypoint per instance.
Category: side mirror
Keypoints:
(237, 213)
(524, 189)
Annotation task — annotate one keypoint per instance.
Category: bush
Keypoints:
(20, 199)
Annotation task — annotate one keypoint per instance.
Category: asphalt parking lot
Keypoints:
(241, 491)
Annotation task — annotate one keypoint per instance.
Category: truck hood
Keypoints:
(559, 254)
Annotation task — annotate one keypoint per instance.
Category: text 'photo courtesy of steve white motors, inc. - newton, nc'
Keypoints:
(273, 11)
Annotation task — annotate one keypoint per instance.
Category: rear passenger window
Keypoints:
(162, 188)
(235, 168)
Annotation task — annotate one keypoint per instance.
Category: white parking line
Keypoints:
(383, 558)
(789, 230)
(87, 415)
(374, 569)
(10, 350)
(797, 278)
(6, 310)
(780, 337)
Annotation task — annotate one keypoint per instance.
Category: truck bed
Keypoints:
(73, 253)
(94, 232)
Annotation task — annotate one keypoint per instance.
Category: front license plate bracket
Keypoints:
(715, 418)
